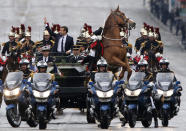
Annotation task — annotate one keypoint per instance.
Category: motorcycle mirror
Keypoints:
(121, 82)
(91, 83)
(146, 82)
(178, 82)
(24, 81)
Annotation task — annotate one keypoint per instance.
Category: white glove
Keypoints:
(4, 58)
(94, 37)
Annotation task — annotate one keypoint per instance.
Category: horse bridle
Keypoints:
(125, 20)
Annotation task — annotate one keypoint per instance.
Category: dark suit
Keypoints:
(68, 44)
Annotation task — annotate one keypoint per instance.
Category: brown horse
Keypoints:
(114, 51)
(11, 65)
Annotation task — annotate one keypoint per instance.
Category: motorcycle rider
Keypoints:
(24, 63)
(142, 67)
(164, 68)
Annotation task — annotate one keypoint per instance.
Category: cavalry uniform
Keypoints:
(139, 42)
(44, 43)
(27, 46)
(156, 46)
(10, 46)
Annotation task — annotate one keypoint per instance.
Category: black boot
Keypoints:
(155, 115)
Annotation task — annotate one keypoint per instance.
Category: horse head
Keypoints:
(122, 20)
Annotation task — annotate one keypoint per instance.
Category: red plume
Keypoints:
(23, 27)
(13, 29)
(29, 28)
(89, 29)
(145, 25)
(157, 30)
(85, 26)
(17, 30)
(58, 27)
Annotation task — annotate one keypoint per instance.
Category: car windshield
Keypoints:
(41, 81)
(165, 80)
(104, 80)
(135, 80)
(14, 79)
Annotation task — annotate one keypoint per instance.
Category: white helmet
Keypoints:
(27, 33)
(42, 64)
(151, 34)
(46, 32)
(24, 61)
(164, 62)
(143, 31)
(128, 55)
(102, 62)
(11, 34)
(142, 63)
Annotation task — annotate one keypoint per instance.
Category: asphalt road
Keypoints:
(74, 13)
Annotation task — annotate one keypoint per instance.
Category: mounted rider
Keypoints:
(11, 45)
(142, 38)
(27, 43)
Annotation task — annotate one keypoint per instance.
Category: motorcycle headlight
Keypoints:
(168, 93)
(13, 92)
(107, 94)
(38, 94)
(132, 93)
(160, 91)
(165, 93)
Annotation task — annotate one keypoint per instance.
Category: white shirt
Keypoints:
(59, 45)
(60, 42)
(64, 41)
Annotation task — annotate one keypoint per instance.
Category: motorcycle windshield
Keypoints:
(41, 81)
(165, 81)
(104, 81)
(135, 81)
(13, 80)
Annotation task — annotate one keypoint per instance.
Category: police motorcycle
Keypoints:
(17, 99)
(102, 98)
(171, 91)
(44, 102)
(137, 103)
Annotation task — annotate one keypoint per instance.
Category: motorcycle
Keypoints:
(171, 92)
(101, 99)
(137, 102)
(17, 100)
(44, 98)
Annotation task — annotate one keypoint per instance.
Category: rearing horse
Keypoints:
(114, 50)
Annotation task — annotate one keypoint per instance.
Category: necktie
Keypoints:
(62, 44)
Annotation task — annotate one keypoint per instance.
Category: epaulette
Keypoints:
(143, 44)
(159, 42)
(37, 42)
(3, 44)
(129, 45)
(53, 42)
(52, 77)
